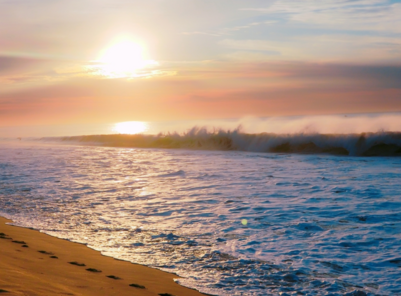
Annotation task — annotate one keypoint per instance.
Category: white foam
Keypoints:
(315, 224)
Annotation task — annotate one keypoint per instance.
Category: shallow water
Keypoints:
(230, 223)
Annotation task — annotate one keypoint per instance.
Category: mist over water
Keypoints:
(328, 124)
(325, 124)
(365, 144)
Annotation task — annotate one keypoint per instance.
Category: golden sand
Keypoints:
(33, 263)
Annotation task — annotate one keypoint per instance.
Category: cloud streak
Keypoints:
(218, 90)
(235, 58)
(376, 15)
(334, 48)
(230, 30)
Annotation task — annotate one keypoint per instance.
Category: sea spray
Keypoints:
(365, 144)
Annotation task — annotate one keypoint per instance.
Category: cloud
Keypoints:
(334, 48)
(17, 65)
(218, 90)
(230, 30)
(374, 15)
(80, 29)
(29, 72)
(279, 57)
(189, 30)
(292, 6)
(200, 33)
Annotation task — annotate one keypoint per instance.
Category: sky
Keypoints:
(93, 62)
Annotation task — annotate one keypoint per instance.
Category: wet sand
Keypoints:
(33, 263)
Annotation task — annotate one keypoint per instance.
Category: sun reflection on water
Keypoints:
(131, 127)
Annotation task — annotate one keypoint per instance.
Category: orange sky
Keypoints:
(86, 62)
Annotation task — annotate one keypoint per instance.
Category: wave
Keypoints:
(365, 144)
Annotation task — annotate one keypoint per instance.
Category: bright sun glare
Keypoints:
(130, 127)
(124, 59)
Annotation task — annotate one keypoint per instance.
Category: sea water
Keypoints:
(227, 222)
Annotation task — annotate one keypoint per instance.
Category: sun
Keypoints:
(130, 127)
(124, 59)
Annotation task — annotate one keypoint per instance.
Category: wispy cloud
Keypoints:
(24, 72)
(334, 48)
(292, 6)
(234, 57)
(373, 15)
(200, 33)
(230, 30)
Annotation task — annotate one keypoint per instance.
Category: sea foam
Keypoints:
(365, 144)
(228, 222)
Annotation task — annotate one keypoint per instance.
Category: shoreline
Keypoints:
(34, 263)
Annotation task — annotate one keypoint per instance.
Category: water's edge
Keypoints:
(16, 224)
(229, 223)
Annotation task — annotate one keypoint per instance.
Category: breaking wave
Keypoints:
(365, 144)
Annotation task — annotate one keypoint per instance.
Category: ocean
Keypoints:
(228, 221)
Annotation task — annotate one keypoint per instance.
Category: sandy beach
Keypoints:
(33, 263)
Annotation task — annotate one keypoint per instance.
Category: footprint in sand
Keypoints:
(113, 277)
(137, 286)
(93, 270)
(166, 294)
(3, 291)
(19, 242)
(4, 236)
(46, 253)
(77, 264)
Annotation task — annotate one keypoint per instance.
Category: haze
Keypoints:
(102, 62)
